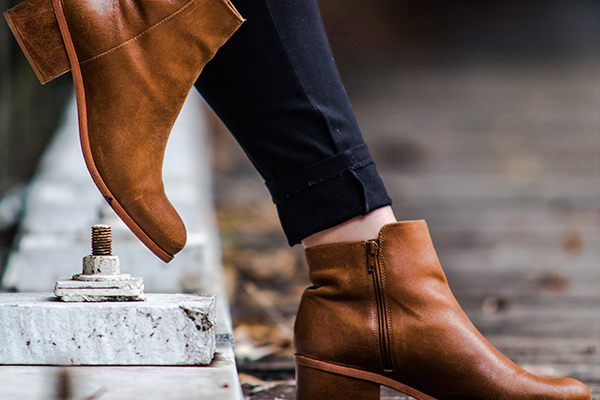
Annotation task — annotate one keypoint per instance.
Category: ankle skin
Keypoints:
(363, 227)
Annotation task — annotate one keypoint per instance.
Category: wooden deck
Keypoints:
(504, 164)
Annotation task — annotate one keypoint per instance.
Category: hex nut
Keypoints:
(105, 265)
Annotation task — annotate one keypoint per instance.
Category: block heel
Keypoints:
(34, 25)
(314, 384)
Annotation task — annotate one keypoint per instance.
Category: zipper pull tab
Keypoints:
(373, 251)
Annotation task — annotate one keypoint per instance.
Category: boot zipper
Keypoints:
(382, 315)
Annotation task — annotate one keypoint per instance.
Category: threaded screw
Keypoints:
(101, 240)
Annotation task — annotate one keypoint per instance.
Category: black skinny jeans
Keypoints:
(276, 87)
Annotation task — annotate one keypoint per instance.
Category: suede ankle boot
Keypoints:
(380, 312)
(133, 64)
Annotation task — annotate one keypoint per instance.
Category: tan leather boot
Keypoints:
(133, 63)
(381, 313)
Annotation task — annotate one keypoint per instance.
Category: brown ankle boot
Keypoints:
(133, 64)
(380, 312)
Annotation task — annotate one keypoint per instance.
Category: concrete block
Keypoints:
(166, 329)
(62, 204)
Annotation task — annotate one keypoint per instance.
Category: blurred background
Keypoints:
(483, 118)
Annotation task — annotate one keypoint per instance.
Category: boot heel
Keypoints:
(34, 25)
(312, 384)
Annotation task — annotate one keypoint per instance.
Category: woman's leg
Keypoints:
(276, 87)
(380, 310)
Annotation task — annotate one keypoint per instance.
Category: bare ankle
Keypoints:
(359, 228)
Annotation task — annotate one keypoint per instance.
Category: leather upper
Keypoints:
(117, 20)
(138, 61)
(435, 348)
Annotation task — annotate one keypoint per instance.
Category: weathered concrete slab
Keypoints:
(165, 329)
(214, 382)
(62, 205)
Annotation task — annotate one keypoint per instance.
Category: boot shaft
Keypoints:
(361, 290)
(341, 300)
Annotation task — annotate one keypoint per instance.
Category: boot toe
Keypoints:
(161, 224)
(560, 389)
(576, 390)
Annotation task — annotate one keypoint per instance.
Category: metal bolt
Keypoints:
(101, 263)
(101, 240)
(101, 278)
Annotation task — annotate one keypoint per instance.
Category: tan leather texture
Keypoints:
(433, 346)
(134, 63)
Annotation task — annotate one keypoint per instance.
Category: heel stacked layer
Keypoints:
(35, 28)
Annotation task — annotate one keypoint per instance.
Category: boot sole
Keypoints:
(361, 375)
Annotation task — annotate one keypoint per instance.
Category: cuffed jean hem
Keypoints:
(328, 193)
